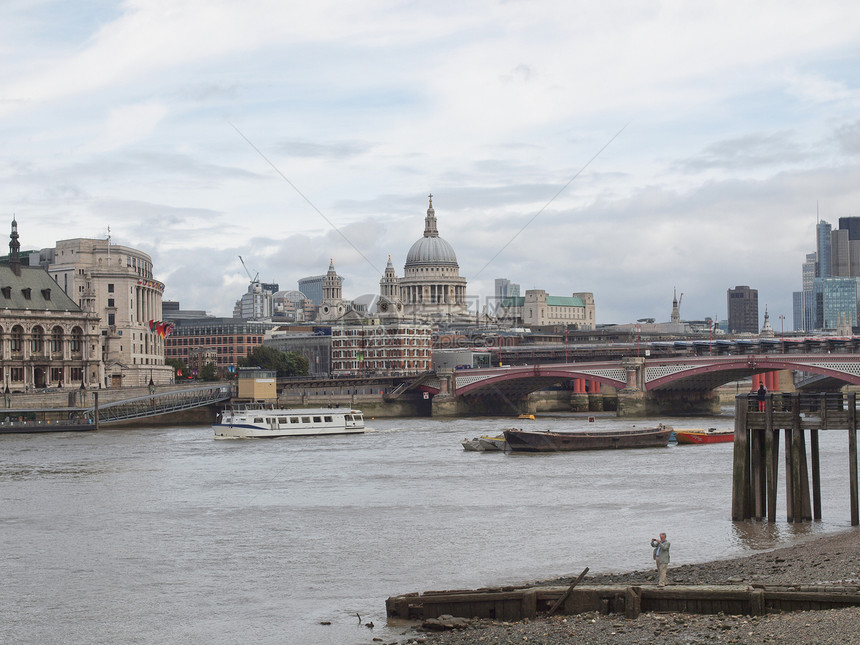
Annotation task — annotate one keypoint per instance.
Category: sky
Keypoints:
(626, 149)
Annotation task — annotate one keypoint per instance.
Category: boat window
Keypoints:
(306, 419)
(294, 419)
(258, 420)
(317, 420)
(358, 417)
(347, 417)
(282, 419)
(327, 419)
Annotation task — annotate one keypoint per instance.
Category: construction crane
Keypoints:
(256, 277)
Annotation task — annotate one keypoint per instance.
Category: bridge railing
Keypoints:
(163, 403)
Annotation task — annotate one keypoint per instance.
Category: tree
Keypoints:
(208, 372)
(180, 370)
(269, 358)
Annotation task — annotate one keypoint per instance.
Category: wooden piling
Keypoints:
(756, 473)
(772, 455)
(740, 463)
(806, 506)
(795, 455)
(852, 456)
(789, 503)
(816, 474)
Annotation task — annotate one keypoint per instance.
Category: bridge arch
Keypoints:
(524, 380)
(705, 374)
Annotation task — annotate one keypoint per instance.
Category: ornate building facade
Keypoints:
(46, 338)
(117, 282)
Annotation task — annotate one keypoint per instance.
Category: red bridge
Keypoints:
(662, 381)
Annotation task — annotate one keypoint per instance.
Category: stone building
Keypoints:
(119, 283)
(225, 339)
(394, 347)
(46, 338)
(538, 309)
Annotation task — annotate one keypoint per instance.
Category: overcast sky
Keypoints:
(700, 138)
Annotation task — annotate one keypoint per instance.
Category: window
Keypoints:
(110, 287)
(110, 302)
(56, 340)
(111, 319)
(17, 343)
(77, 340)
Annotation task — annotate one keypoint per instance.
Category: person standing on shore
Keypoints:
(661, 556)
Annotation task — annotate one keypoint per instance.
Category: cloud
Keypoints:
(748, 152)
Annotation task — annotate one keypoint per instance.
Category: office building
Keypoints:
(742, 307)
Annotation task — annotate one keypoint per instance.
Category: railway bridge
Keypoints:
(644, 386)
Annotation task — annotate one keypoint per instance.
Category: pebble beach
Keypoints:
(832, 559)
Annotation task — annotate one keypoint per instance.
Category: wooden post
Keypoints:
(771, 440)
(632, 602)
(756, 472)
(789, 498)
(806, 506)
(96, 409)
(852, 456)
(560, 601)
(740, 462)
(796, 468)
(816, 475)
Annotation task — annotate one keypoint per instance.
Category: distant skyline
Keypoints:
(736, 119)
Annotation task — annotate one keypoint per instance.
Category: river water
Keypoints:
(166, 535)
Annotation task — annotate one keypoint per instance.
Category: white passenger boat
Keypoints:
(240, 422)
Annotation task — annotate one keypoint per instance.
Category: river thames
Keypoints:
(164, 535)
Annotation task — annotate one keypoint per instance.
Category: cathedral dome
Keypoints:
(431, 249)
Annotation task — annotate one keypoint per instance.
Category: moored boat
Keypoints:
(493, 443)
(530, 441)
(472, 445)
(711, 435)
(485, 443)
(256, 421)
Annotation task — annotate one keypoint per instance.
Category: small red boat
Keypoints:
(711, 435)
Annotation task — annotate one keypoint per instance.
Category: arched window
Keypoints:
(77, 340)
(37, 340)
(57, 340)
(17, 344)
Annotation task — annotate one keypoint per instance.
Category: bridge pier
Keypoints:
(636, 403)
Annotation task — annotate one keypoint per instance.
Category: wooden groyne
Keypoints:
(756, 453)
(514, 604)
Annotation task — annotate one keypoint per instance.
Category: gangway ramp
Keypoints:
(153, 405)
